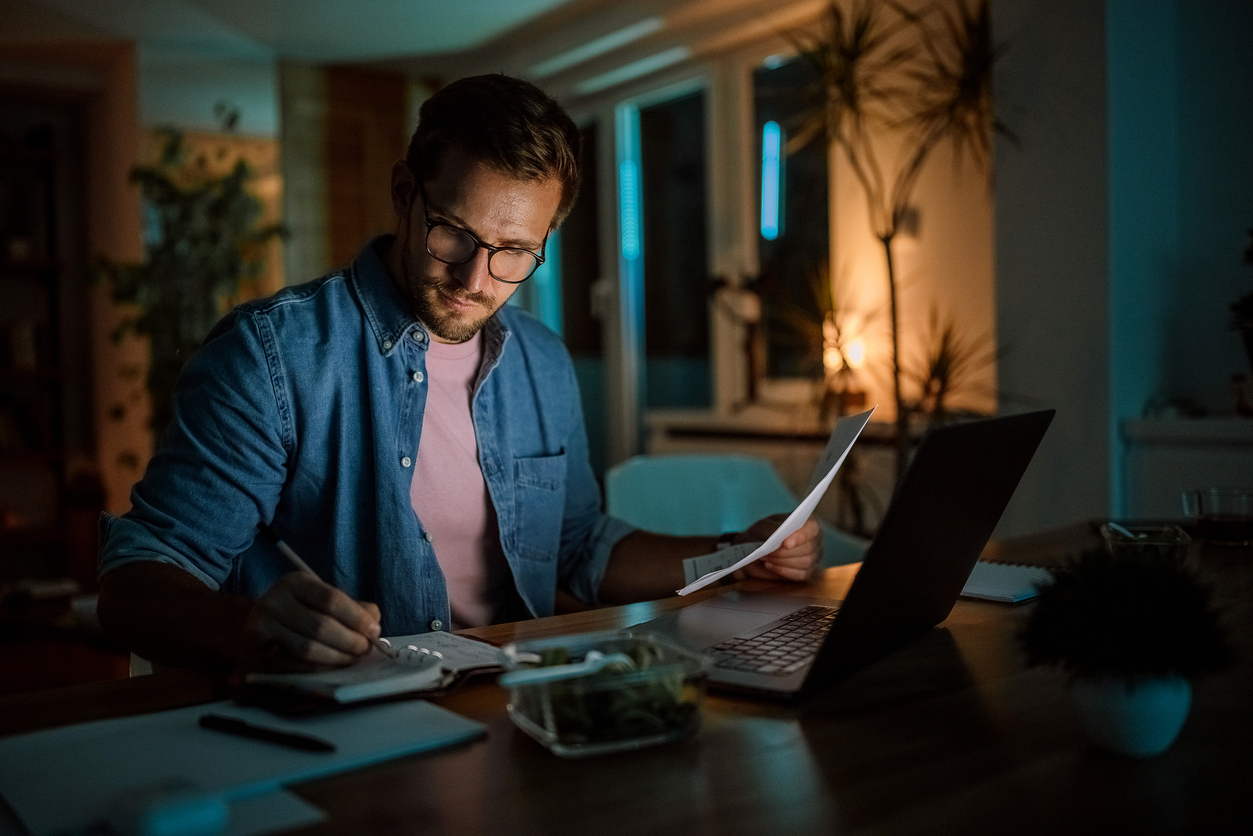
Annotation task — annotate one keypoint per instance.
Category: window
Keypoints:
(794, 224)
(579, 261)
(675, 253)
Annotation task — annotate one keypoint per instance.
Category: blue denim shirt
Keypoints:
(305, 410)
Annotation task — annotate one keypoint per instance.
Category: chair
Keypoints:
(710, 494)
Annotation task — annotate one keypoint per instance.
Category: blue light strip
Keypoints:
(771, 182)
(630, 384)
(629, 208)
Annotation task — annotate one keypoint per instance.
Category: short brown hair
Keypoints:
(507, 123)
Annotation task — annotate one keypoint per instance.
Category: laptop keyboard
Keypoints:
(781, 650)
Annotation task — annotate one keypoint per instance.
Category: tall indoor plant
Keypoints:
(203, 238)
(923, 79)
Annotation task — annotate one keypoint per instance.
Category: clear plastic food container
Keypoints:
(604, 692)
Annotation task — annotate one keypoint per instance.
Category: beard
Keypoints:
(431, 307)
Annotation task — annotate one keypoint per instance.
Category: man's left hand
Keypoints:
(797, 557)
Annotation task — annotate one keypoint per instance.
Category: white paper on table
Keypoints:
(843, 435)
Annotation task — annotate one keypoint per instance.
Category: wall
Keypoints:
(1121, 223)
(342, 129)
(366, 117)
(303, 105)
(1215, 116)
(180, 87)
(1051, 251)
(45, 52)
(945, 269)
(1144, 165)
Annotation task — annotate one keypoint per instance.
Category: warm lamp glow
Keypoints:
(856, 353)
(831, 359)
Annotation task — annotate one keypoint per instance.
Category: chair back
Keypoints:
(694, 494)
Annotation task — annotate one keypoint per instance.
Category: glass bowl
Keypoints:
(655, 698)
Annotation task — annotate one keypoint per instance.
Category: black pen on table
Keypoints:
(232, 725)
(295, 560)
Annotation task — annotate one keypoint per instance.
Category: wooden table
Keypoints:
(950, 735)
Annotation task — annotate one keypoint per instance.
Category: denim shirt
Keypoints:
(305, 410)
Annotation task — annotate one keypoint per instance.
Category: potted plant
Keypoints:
(891, 77)
(1133, 631)
(204, 239)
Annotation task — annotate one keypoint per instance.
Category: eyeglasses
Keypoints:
(454, 245)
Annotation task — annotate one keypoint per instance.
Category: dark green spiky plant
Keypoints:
(924, 78)
(950, 360)
(1131, 617)
(203, 239)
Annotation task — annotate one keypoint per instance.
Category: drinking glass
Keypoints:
(1224, 516)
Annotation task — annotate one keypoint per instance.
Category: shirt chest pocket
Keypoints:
(540, 487)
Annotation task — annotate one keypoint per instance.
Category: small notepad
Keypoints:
(375, 676)
(1005, 582)
(381, 676)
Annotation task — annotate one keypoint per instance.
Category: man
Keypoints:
(420, 445)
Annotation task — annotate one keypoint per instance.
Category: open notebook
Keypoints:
(1005, 582)
(442, 657)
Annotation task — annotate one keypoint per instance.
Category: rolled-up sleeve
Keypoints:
(221, 465)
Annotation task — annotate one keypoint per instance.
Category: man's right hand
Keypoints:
(304, 623)
(168, 616)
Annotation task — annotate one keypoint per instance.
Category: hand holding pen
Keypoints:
(304, 622)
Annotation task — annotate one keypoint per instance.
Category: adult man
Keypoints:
(418, 444)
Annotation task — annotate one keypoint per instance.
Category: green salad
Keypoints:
(651, 696)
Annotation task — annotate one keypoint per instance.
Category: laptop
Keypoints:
(941, 516)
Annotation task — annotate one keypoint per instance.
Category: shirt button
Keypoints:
(426, 535)
(387, 345)
(406, 461)
(437, 625)
(418, 377)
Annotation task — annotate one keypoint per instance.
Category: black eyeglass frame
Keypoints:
(478, 244)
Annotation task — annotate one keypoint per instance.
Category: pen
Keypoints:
(230, 725)
(295, 560)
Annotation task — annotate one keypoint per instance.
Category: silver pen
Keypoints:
(380, 644)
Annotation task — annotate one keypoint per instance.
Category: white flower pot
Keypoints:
(1139, 717)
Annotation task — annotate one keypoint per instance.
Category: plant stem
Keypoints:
(902, 411)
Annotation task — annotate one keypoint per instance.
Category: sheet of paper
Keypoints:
(270, 813)
(62, 780)
(842, 437)
(696, 567)
(835, 450)
(459, 652)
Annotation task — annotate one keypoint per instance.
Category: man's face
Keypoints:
(454, 300)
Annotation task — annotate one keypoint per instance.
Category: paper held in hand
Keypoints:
(722, 563)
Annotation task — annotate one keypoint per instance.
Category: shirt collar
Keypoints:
(388, 312)
(385, 309)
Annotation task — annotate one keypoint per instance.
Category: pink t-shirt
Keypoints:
(448, 492)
